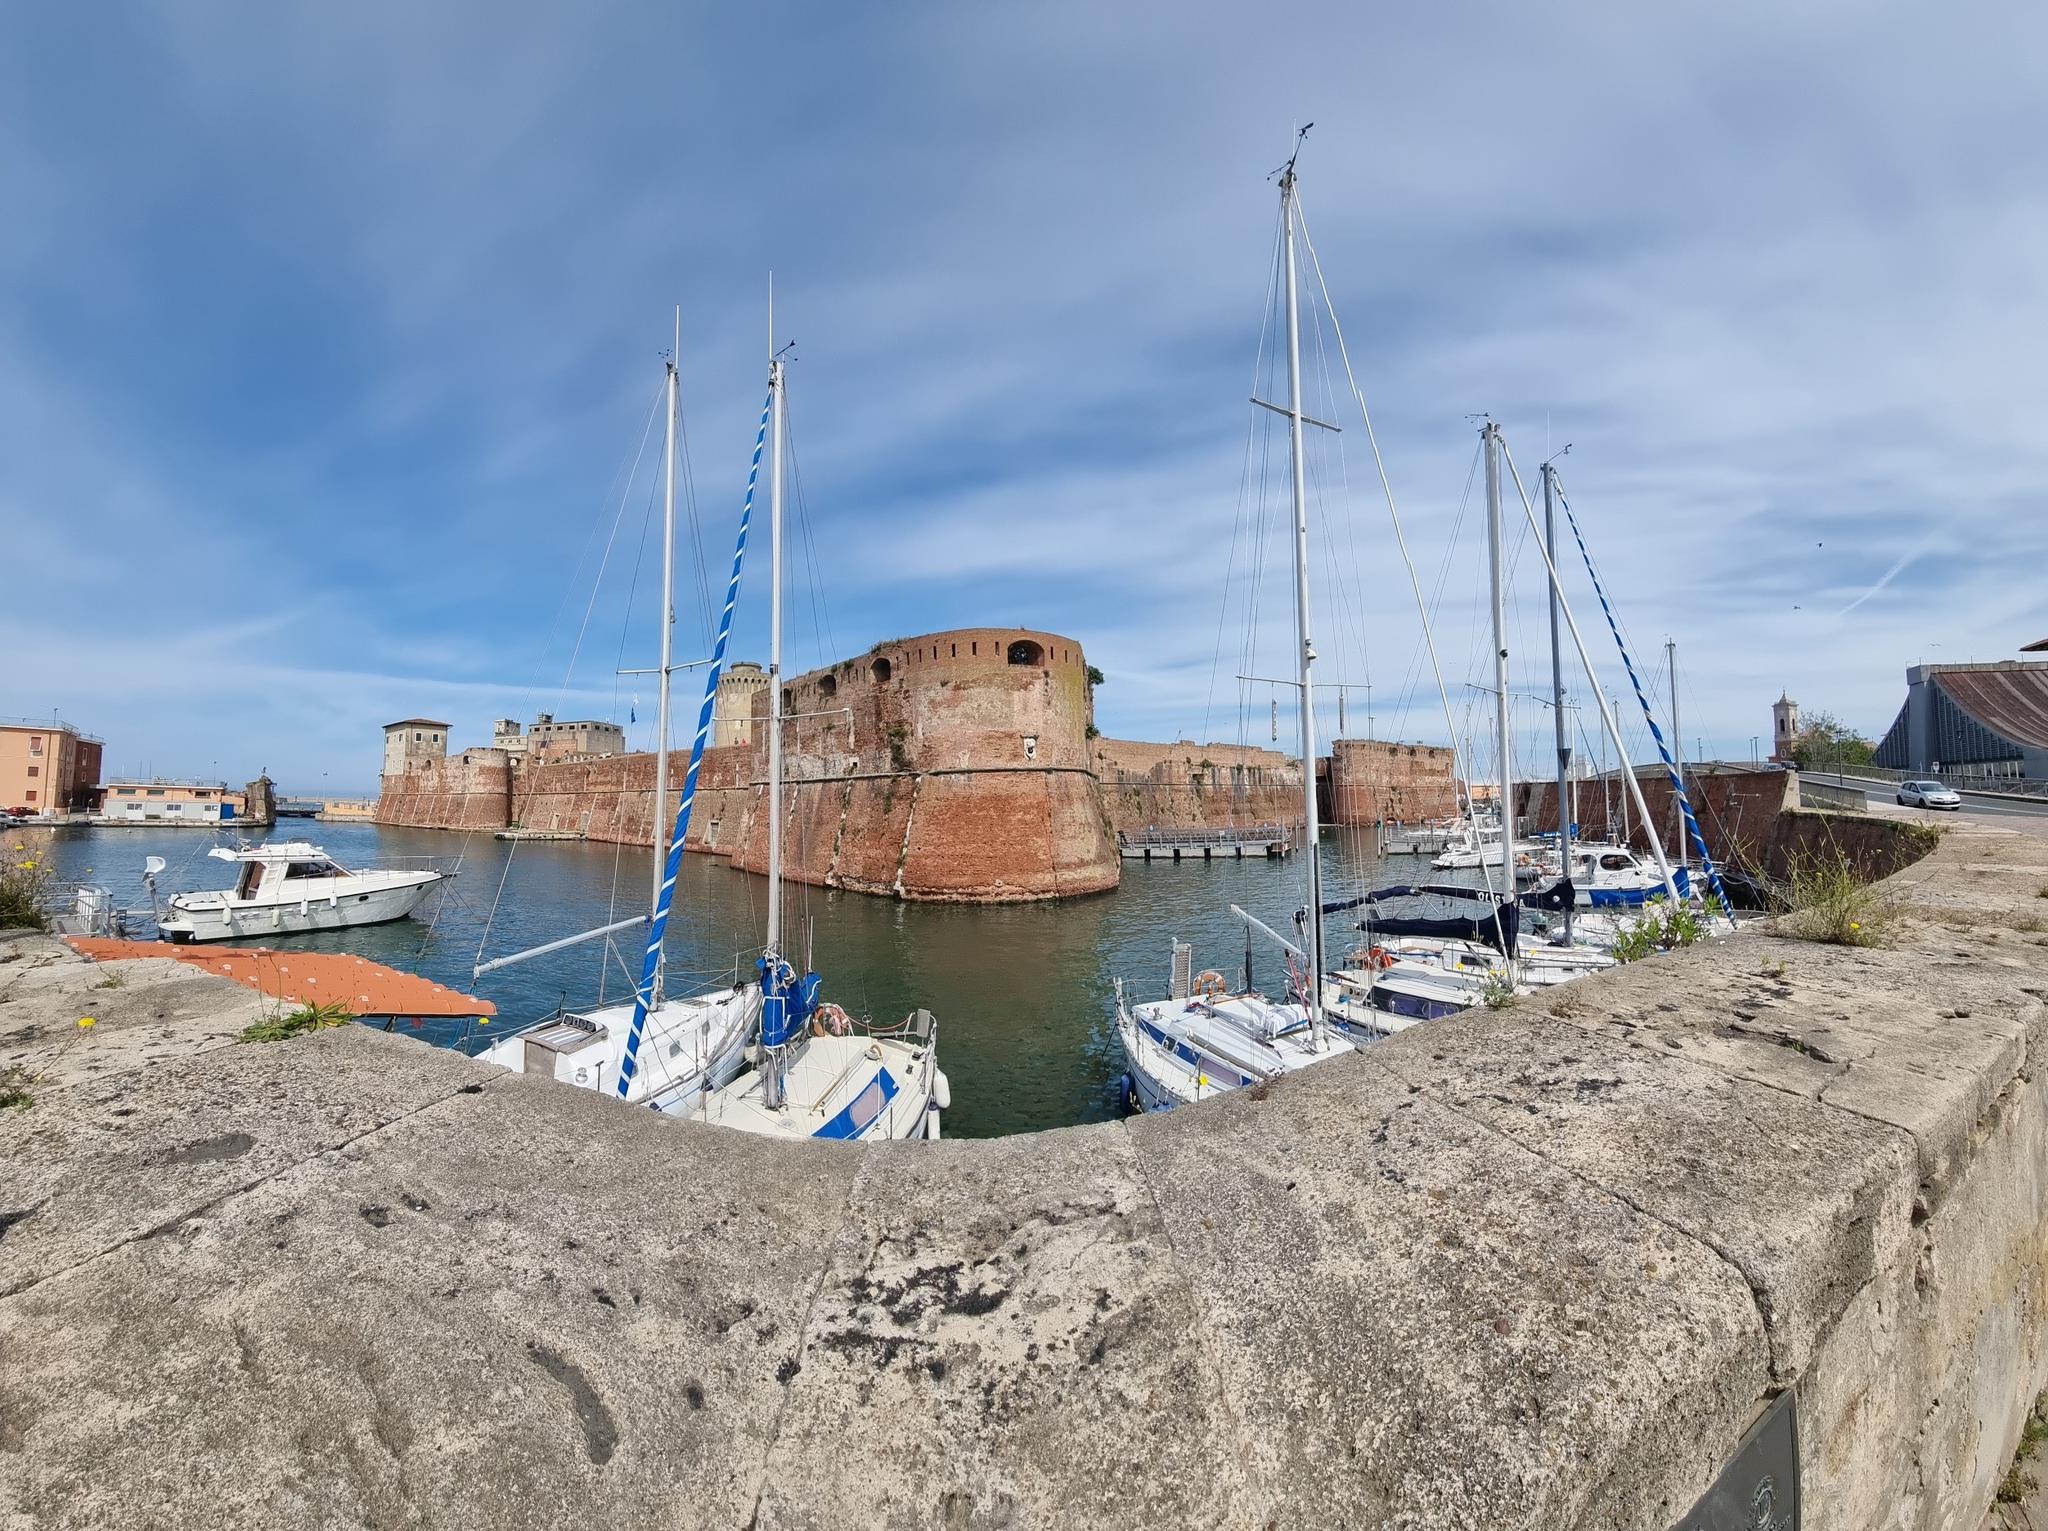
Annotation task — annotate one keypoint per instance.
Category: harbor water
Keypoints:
(1023, 992)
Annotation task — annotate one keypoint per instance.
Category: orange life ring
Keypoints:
(1379, 957)
(1209, 983)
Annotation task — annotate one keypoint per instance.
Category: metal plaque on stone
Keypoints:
(1759, 1488)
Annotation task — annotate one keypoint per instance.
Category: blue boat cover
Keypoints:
(786, 1001)
(866, 1106)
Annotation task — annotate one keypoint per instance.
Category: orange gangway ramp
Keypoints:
(313, 978)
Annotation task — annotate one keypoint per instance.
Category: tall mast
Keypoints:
(1564, 754)
(1491, 436)
(775, 657)
(1677, 747)
(1312, 829)
(668, 626)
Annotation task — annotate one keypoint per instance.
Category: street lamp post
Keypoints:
(1753, 761)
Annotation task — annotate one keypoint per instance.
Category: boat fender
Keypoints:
(1209, 983)
(942, 1092)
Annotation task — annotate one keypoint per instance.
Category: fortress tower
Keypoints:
(952, 765)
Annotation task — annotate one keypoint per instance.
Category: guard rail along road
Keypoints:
(1544, 1267)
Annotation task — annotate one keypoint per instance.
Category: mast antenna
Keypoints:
(1288, 169)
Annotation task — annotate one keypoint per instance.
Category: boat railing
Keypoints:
(447, 866)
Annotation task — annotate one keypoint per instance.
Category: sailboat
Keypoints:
(1204, 1039)
(814, 1071)
(660, 1050)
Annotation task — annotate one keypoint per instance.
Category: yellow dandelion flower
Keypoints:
(88, 1021)
(28, 866)
(1854, 926)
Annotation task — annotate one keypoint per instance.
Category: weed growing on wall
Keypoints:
(1663, 927)
(1921, 839)
(24, 889)
(1832, 904)
(297, 1023)
(14, 1095)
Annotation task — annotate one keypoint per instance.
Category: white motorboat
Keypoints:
(289, 888)
(1613, 876)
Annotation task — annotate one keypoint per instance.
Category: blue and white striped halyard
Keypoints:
(643, 996)
(1692, 825)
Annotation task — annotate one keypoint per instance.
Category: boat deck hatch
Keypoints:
(562, 1037)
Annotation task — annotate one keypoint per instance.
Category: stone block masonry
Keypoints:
(956, 766)
(1517, 1271)
(1375, 781)
(951, 767)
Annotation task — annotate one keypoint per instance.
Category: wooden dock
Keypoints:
(1229, 844)
(537, 834)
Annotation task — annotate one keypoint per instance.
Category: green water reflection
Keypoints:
(1022, 992)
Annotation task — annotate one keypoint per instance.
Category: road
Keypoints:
(1883, 795)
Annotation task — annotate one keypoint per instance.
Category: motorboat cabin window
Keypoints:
(250, 880)
(1615, 861)
(313, 869)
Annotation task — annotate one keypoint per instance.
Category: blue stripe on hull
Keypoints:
(1632, 898)
(1224, 1076)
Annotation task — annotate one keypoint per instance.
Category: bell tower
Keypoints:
(1784, 728)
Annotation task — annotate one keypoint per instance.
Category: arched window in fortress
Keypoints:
(880, 670)
(1024, 651)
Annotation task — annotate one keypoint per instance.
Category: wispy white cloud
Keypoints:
(354, 315)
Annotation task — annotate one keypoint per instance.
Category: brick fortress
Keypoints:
(958, 766)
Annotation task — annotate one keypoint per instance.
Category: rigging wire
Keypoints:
(596, 584)
(1237, 526)
(1400, 537)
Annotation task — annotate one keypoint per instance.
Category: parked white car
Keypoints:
(1928, 794)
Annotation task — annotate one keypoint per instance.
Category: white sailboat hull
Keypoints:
(857, 1088)
(1179, 1051)
(688, 1048)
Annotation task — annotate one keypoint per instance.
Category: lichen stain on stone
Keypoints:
(229, 1145)
(600, 1432)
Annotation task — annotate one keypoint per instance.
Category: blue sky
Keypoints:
(325, 337)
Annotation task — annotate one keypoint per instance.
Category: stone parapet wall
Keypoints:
(1752, 820)
(1738, 811)
(1517, 1270)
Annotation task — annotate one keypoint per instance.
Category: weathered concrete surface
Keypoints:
(1534, 1268)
